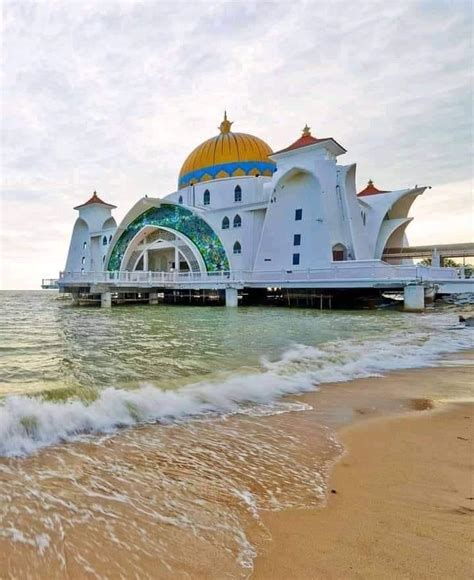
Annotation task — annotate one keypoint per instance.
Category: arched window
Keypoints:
(110, 238)
(103, 258)
(84, 246)
(83, 261)
(237, 248)
(180, 200)
(104, 241)
(225, 223)
(207, 197)
(237, 221)
(238, 193)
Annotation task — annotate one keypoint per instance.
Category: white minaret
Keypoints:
(91, 236)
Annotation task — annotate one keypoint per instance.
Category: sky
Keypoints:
(113, 95)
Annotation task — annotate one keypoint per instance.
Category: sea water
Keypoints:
(145, 440)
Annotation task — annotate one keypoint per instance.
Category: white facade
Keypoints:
(307, 215)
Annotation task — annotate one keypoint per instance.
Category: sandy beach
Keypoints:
(400, 501)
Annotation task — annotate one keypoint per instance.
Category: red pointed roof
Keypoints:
(95, 199)
(371, 190)
(305, 140)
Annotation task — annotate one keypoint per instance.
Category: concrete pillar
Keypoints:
(435, 259)
(414, 298)
(153, 298)
(106, 299)
(176, 259)
(231, 297)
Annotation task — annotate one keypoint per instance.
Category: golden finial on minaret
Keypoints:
(370, 183)
(307, 131)
(225, 125)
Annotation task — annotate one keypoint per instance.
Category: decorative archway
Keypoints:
(152, 244)
(185, 223)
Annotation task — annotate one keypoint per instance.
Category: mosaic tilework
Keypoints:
(181, 220)
(227, 170)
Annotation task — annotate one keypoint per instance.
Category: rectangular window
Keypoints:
(297, 240)
(296, 259)
(298, 215)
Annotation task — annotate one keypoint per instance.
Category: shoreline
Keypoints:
(402, 500)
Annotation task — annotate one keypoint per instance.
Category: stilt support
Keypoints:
(75, 298)
(231, 297)
(414, 298)
(106, 299)
(153, 298)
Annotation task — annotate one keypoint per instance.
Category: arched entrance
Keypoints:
(159, 249)
(164, 228)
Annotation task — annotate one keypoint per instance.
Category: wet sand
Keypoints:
(403, 496)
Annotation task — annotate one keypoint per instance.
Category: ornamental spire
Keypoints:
(225, 125)
(306, 131)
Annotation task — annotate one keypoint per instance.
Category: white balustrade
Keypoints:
(340, 272)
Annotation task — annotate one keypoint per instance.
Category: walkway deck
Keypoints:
(360, 274)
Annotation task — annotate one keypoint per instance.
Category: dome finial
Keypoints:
(370, 183)
(225, 125)
(306, 131)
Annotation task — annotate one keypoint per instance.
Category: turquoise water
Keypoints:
(46, 345)
(93, 370)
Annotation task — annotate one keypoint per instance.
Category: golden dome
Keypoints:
(226, 155)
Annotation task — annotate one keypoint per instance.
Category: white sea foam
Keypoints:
(28, 423)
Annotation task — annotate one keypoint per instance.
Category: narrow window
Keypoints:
(110, 238)
(297, 240)
(225, 223)
(298, 215)
(103, 258)
(104, 241)
(207, 197)
(84, 246)
(180, 200)
(238, 193)
(237, 221)
(83, 261)
(296, 259)
(237, 248)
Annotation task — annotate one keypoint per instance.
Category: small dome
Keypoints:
(226, 155)
(370, 189)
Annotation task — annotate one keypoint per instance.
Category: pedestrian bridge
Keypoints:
(436, 252)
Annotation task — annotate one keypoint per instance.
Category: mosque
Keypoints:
(239, 206)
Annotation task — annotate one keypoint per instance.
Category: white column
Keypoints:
(414, 298)
(231, 297)
(106, 299)
(176, 259)
(75, 299)
(145, 261)
(435, 259)
(153, 298)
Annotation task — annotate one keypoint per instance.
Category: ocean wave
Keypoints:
(30, 423)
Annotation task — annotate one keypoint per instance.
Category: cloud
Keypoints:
(113, 95)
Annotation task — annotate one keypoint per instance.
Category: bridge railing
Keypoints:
(340, 271)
